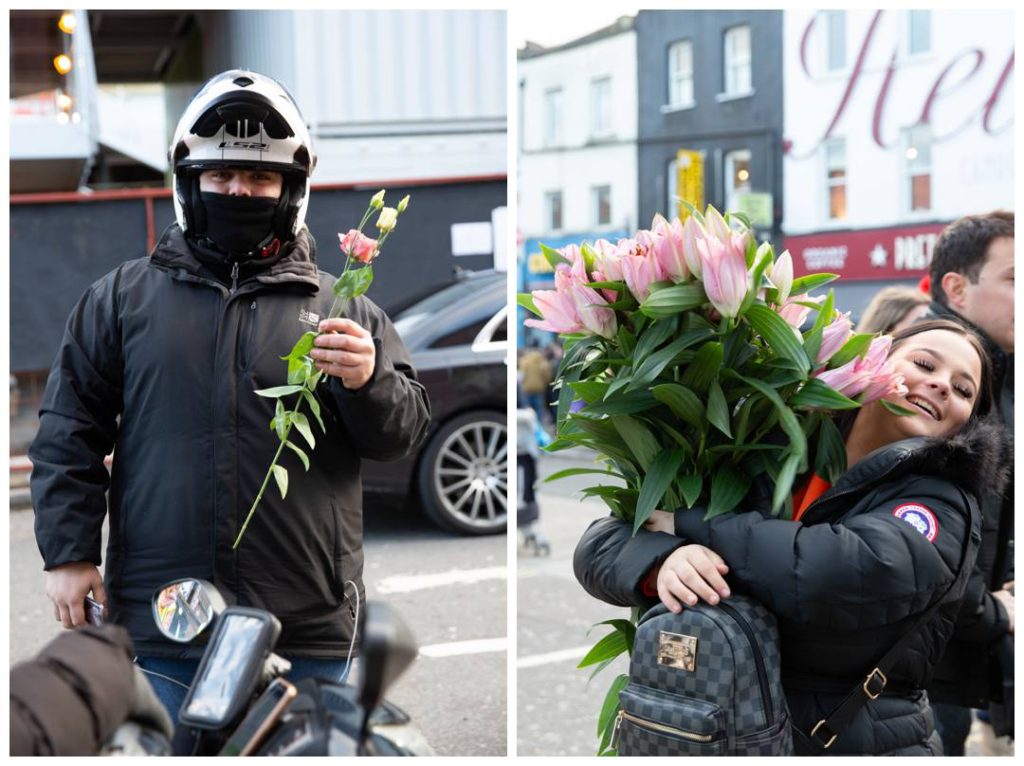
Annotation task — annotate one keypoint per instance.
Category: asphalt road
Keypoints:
(450, 590)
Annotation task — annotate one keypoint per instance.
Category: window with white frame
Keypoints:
(601, 203)
(601, 106)
(552, 117)
(737, 176)
(919, 32)
(553, 210)
(918, 158)
(835, 177)
(680, 74)
(835, 27)
(737, 61)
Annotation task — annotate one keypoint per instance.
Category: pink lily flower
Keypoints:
(557, 310)
(795, 314)
(639, 272)
(726, 280)
(781, 275)
(883, 385)
(693, 233)
(592, 310)
(834, 336)
(715, 225)
(668, 248)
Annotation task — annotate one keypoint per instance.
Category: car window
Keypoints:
(461, 336)
(501, 331)
(432, 305)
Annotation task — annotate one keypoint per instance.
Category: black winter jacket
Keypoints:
(159, 361)
(966, 675)
(846, 582)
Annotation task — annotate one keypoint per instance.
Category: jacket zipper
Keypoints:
(762, 674)
(656, 727)
(234, 277)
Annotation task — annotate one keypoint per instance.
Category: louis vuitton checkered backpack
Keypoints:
(705, 682)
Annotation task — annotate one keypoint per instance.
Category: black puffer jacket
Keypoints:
(159, 361)
(846, 582)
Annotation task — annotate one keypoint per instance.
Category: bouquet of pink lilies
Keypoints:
(686, 369)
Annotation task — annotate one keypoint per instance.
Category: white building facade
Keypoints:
(578, 139)
(896, 123)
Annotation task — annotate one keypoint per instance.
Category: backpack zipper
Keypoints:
(656, 727)
(762, 674)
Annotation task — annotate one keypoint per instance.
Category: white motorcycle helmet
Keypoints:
(242, 119)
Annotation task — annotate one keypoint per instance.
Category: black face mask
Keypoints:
(238, 225)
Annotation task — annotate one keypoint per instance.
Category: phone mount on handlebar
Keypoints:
(231, 668)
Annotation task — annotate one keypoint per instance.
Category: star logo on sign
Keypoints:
(878, 255)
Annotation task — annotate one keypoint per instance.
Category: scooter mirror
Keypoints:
(387, 649)
(185, 608)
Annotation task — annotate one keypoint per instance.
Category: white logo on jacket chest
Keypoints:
(309, 317)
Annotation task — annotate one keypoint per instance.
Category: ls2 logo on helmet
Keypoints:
(920, 518)
(251, 145)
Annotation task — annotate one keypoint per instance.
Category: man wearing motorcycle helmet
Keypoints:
(159, 362)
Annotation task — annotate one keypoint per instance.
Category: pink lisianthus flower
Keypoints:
(834, 336)
(357, 245)
(725, 276)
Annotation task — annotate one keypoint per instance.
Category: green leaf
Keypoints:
(830, 456)
(778, 334)
(820, 395)
(784, 482)
(825, 313)
(280, 421)
(718, 410)
(590, 390)
(658, 479)
(622, 380)
(789, 421)
(553, 257)
(610, 711)
(657, 333)
(577, 472)
(624, 404)
(856, 346)
(729, 486)
(281, 477)
(638, 438)
(314, 407)
(302, 346)
(763, 259)
(353, 282)
(655, 363)
(743, 420)
(302, 424)
(300, 453)
(683, 402)
(526, 301)
(673, 300)
(690, 487)
(896, 409)
(608, 647)
(299, 371)
(704, 367)
(278, 391)
(618, 285)
(810, 282)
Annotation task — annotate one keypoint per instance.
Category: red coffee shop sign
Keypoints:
(896, 253)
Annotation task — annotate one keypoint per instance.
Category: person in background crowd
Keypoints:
(862, 559)
(894, 308)
(971, 277)
(536, 379)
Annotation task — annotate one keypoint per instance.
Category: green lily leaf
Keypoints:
(822, 396)
(790, 423)
(610, 711)
(610, 646)
(857, 345)
(810, 282)
(553, 257)
(526, 301)
(658, 479)
(673, 300)
(623, 404)
(690, 487)
(784, 482)
(638, 438)
(578, 472)
(718, 410)
(302, 424)
(896, 409)
(729, 486)
(830, 456)
(683, 402)
(658, 361)
(704, 367)
(778, 335)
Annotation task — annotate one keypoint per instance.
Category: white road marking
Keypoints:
(455, 648)
(409, 583)
(551, 657)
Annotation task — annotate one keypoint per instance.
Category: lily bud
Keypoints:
(388, 219)
(403, 204)
(377, 200)
(782, 275)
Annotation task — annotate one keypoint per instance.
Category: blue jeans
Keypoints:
(171, 678)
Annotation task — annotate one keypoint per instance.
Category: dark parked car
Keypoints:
(458, 338)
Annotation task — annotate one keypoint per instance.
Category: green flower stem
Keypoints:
(266, 480)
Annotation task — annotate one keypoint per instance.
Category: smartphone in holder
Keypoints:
(95, 612)
(260, 719)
